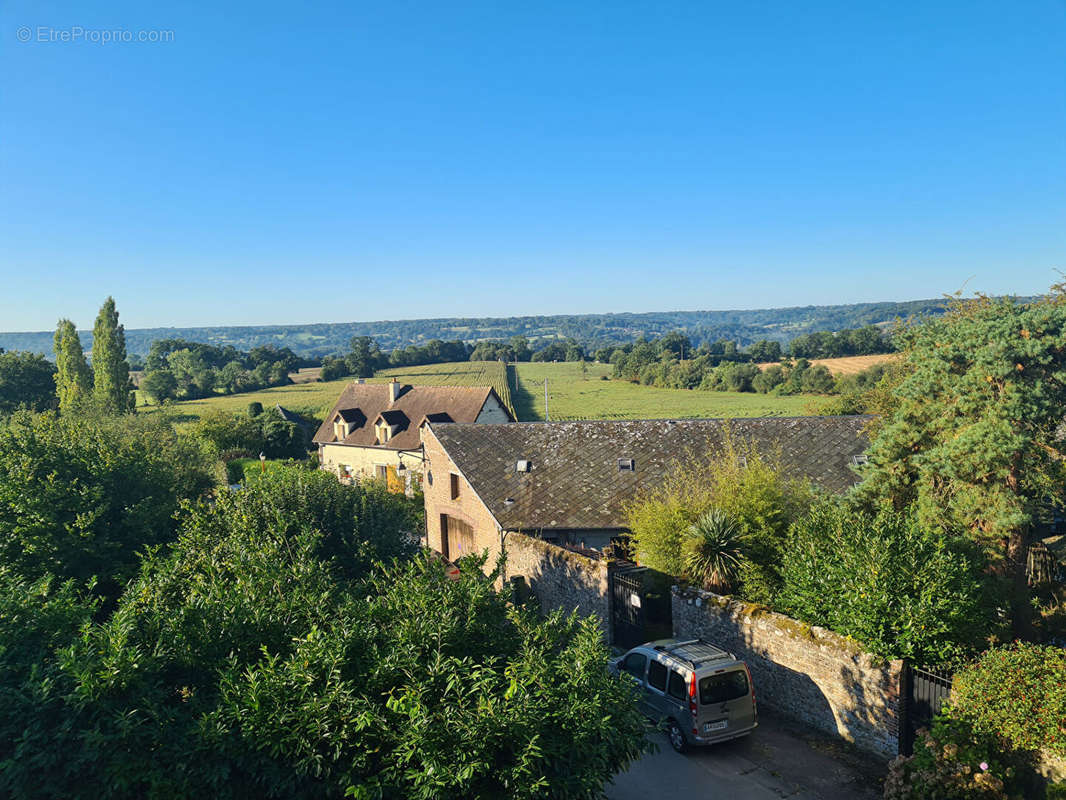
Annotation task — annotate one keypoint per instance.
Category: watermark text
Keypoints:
(76, 34)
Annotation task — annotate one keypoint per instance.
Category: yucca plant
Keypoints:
(712, 550)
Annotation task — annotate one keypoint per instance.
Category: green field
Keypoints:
(316, 399)
(574, 395)
(571, 394)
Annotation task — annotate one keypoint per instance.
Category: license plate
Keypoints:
(721, 725)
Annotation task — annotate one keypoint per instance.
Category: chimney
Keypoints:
(394, 390)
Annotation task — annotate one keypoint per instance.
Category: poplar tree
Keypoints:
(73, 378)
(111, 373)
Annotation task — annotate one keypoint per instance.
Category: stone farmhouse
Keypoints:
(374, 430)
(567, 483)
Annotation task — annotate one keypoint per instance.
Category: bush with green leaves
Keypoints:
(27, 380)
(888, 581)
(266, 433)
(265, 655)
(953, 761)
(82, 493)
(749, 486)
(1017, 693)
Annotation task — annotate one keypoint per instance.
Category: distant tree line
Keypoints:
(183, 370)
(671, 362)
(591, 331)
(365, 356)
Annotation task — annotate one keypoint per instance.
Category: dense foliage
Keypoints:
(1017, 693)
(888, 581)
(972, 444)
(180, 369)
(112, 387)
(27, 381)
(711, 550)
(81, 494)
(746, 485)
(245, 434)
(265, 656)
(953, 761)
(74, 380)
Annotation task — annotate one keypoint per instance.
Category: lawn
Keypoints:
(573, 394)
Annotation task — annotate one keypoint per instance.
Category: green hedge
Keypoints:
(1018, 693)
(887, 581)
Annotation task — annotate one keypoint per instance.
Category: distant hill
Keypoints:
(591, 330)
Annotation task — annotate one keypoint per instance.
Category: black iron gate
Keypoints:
(640, 606)
(922, 693)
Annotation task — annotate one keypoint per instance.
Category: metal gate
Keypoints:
(640, 606)
(923, 691)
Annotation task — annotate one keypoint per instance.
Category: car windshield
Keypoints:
(723, 687)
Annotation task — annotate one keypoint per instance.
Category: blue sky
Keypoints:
(288, 163)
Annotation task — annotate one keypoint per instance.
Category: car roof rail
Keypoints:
(712, 652)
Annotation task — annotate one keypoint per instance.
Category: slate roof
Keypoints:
(361, 404)
(575, 481)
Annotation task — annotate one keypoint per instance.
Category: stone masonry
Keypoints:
(560, 578)
(813, 675)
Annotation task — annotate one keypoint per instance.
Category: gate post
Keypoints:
(906, 699)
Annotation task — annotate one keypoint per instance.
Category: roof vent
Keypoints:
(626, 465)
(523, 466)
(860, 459)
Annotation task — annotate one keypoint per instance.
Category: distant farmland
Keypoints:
(572, 394)
(850, 365)
(314, 399)
(576, 395)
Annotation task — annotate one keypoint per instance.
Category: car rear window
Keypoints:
(723, 687)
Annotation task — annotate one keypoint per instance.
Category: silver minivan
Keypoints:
(699, 692)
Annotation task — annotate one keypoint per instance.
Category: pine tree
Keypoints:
(111, 373)
(73, 378)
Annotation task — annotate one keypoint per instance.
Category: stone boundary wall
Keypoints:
(810, 674)
(560, 578)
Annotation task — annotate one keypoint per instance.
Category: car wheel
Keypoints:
(676, 737)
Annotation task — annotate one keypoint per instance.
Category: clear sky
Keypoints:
(288, 163)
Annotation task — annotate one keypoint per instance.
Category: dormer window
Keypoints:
(383, 431)
(346, 421)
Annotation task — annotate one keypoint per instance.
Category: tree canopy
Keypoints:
(27, 380)
(973, 443)
(73, 378)
(269, 654)
(112, 387)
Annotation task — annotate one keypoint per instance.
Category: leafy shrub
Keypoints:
(81, 494)
(887, 581)
(264, 656)
(743, 483)
(265, 433)
(952, 761)
(711, 550)
(1019, 694)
